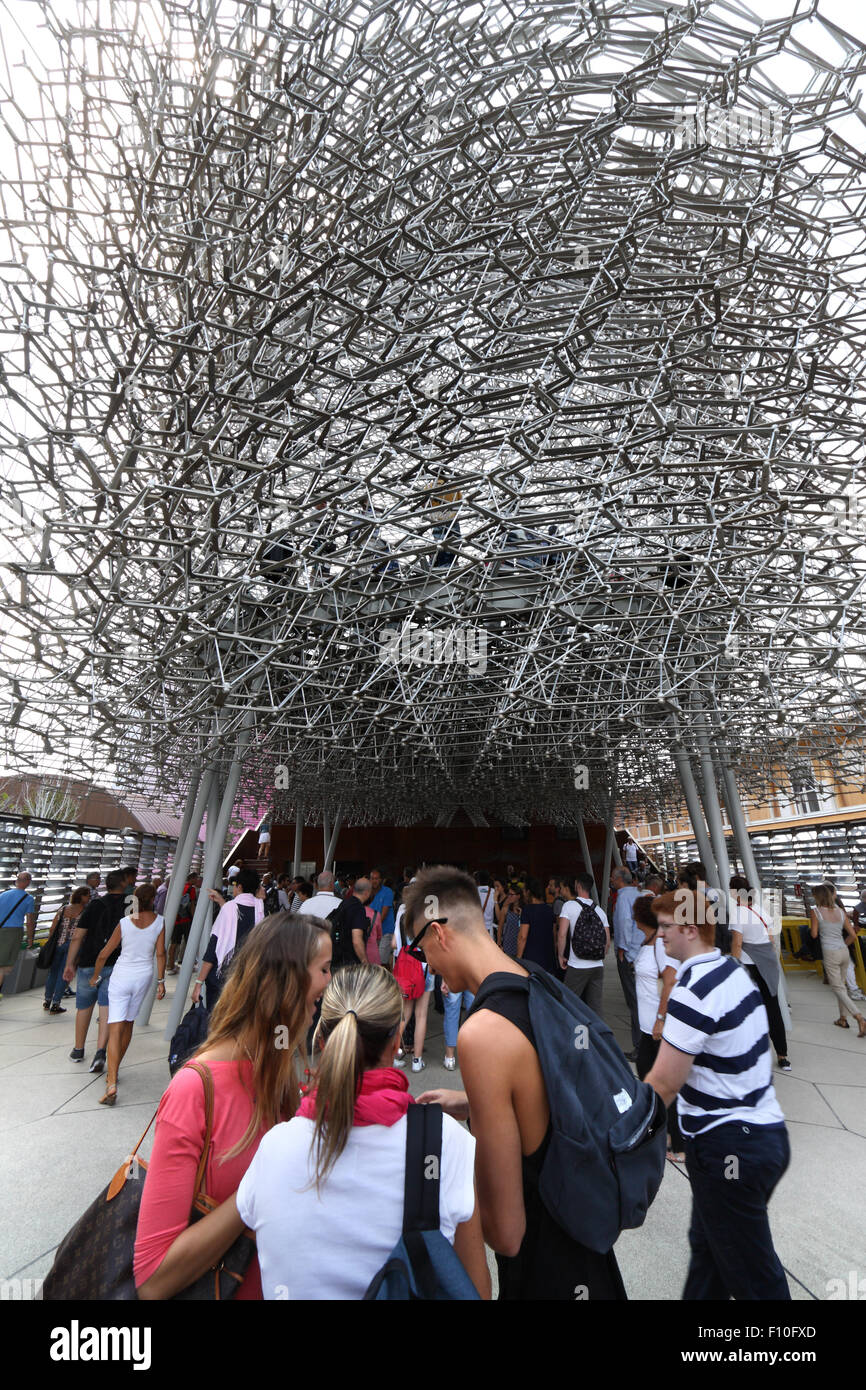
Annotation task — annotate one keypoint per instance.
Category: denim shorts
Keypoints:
(85, 995)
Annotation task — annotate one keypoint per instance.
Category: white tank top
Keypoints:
(830, 933)
(138, 944)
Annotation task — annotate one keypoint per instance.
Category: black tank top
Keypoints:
(549, 1264)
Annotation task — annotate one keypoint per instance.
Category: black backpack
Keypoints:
(606, 1157)
(343, 950)
(588, 938)
(272, 901)
(423, 1264)
(191, 1033)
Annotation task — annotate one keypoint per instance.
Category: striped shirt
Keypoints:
(717, 1016)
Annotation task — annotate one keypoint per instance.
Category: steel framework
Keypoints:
(451, 406)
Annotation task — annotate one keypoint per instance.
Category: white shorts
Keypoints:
(126, 994)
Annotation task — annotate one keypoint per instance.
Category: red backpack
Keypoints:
(409, 974)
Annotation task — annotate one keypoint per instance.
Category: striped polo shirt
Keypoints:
(717, 1016)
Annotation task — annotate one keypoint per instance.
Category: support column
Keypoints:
(693, 805)
(711, 803)
(330, 848)
(617, 856)
(604, 887)
(186, 843)
(584, 849)
(299, 837)
(326, 835)
(199, 931)
(737, 818)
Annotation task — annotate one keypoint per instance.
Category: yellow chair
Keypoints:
(791, 944)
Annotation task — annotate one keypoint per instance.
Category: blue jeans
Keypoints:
(86, 995)
(451, 1022)
(733, 1170)
(54, 985)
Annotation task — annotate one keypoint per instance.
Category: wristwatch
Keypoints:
(661, 1017)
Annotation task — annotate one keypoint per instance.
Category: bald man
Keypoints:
(17, 913)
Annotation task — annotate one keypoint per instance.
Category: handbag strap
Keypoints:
(13, 909)
(207, 1081)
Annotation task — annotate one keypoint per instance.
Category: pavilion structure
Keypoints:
(411, 407)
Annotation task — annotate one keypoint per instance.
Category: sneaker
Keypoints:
(418, 1064)
(784, 1064)
(46, 1004)
(450, 1063)
(57, 1009)
(77, 1054)
(400, 1059)
(99, 1060)
(68, 993)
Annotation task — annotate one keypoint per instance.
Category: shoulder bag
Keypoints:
(95, 1260)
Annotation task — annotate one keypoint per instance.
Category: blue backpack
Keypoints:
(606, 1157)
(423, 1264)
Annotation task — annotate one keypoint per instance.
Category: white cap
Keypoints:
(235, 869)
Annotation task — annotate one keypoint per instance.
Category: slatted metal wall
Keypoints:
(60, 856)
(807, 856)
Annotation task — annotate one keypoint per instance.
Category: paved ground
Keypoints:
(59, 1147)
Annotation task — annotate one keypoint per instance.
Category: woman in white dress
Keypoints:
(139, 936)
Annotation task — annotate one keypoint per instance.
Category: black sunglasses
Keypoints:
(413, 947)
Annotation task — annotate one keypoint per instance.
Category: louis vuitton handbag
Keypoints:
(94, 1261)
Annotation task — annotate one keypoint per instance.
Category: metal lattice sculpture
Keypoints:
(462, 403)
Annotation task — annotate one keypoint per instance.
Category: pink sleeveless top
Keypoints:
(169, 1185)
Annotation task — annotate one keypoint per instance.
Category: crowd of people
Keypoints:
(343, 973)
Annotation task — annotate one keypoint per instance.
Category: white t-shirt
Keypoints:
(320, 904)
(649, 964)
(489, 912)
(572, 910)
(746, 920)
(329, 1244)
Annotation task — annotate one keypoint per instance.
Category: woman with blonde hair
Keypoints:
(324, 1193)
(833, 925)
(325, 1220)
(254, 1053)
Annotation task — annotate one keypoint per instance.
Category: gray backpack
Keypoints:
(606, 1157)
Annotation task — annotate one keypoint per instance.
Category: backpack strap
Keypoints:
(423, 1162)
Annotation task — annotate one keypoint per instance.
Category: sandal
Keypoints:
(110, 1096)
(676, 1157)
(861, 1026)
(841, 1023)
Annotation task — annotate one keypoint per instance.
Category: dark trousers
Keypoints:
(626, 979)
(588, 985)
(778, 1037)
(647, 1051)
(733, 1170)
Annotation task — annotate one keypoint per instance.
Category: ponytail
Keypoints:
(361, 1010)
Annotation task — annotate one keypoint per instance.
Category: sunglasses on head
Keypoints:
(414, 947)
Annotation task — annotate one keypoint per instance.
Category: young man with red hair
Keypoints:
(715, 1058)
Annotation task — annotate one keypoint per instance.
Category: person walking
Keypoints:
(584, 975)
(535, 941)
(63, 925)
(752, 947)
(256, 1057)
(715, 1058)
(324, 901)
(17, 915)
(234, 921)
(652, 966)
(508, 916)
(383, 902)
(140, 935)
(628, 939)
(833, 925)
(95, 925)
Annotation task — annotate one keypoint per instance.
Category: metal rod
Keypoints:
(693, 805)
(587, 860)
(299, 838)
(331, 846)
